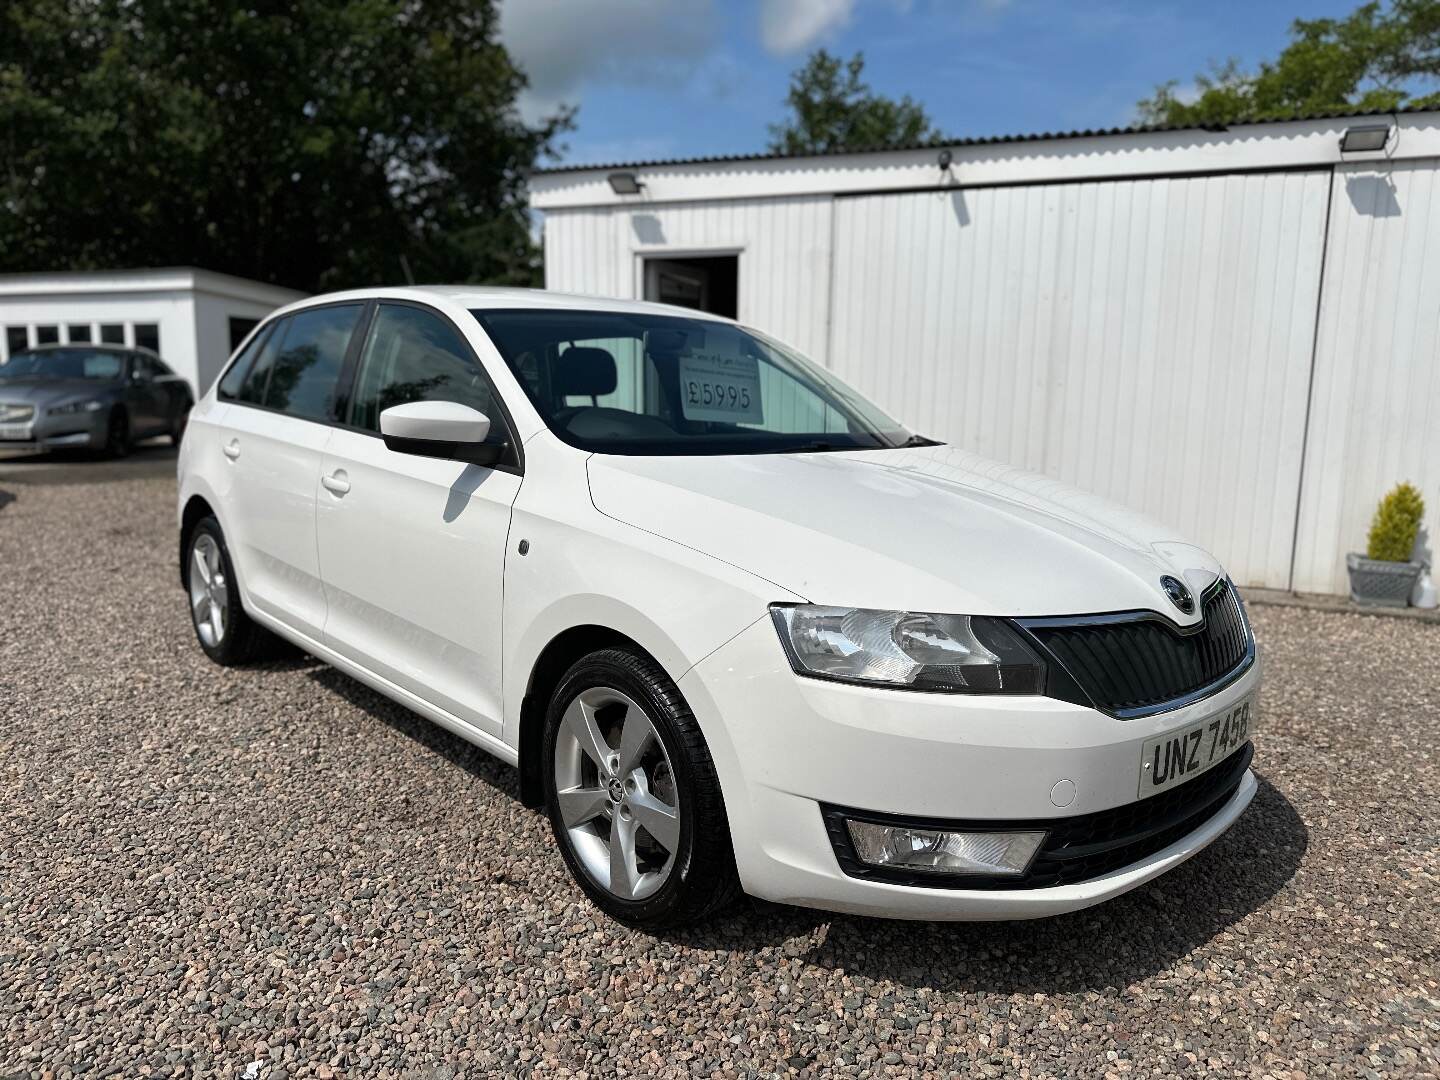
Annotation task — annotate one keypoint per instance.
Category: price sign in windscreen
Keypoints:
(717, 386)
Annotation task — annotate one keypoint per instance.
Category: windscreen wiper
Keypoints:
(817, 446)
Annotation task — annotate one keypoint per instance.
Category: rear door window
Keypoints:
(306, 368)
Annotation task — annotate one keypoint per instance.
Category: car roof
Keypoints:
(498, 297)
(60, 346)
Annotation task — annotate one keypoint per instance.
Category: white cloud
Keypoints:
(564, 44)
(1188, 93)
(790, 25)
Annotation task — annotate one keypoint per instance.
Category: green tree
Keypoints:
(832, 108)
(312, 143)
(1373, 60)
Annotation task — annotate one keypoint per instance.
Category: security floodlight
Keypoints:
(1365, 137)
(624, 183)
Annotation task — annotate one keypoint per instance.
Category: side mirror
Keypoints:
(439, 429)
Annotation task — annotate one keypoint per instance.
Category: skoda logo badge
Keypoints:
(1179, 595)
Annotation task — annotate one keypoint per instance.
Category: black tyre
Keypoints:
(632, 794)
(117, 434)
(224, 631)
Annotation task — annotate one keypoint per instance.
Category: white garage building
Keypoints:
(1237, 332)
(192, 318)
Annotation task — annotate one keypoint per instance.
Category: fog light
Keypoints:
(939, 852)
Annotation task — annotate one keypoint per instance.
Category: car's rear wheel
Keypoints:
(117, 434)
(224, 631)
(632, 793)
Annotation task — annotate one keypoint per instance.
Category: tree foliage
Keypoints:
(832, 108)
(1373, 60)
(311, 143)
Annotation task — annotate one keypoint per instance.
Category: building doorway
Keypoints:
(707, 283)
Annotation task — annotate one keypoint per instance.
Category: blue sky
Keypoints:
(684, 78)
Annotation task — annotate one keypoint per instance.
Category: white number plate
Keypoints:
(1173, 758)
(724, 388)
(15, 431)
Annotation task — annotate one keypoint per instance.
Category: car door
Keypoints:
(146, 399)
(412, 549)
(274, 433)
(177, 393)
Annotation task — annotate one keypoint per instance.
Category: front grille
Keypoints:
(1077, 848)
(15, 414)
(1133, 663)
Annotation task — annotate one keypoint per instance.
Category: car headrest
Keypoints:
(585, 370)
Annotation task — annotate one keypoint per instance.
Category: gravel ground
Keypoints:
(273, 872)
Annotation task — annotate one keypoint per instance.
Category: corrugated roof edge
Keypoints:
(984, 140)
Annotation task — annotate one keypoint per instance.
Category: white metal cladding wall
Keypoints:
(1148, 340)
(783, 244)
(581, 252)
(1375, 413)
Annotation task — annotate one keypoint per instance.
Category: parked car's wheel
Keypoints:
(633, 796)
(224, 631)
(117, 434)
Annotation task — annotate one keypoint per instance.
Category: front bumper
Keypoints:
(69, 431)
(785, 745)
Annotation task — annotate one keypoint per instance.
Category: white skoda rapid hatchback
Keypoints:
(738, 629)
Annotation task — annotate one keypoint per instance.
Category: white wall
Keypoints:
(1252, 357)
(170, 310)
(191, 307)
(783, 245)
(212, 331)
(1375, 414)
(1146, 340)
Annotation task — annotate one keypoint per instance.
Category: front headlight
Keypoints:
(69, 407)
(909, 649)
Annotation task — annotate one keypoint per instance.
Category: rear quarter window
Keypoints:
(252, 371)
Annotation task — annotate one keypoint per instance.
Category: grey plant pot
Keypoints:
(1376, 583)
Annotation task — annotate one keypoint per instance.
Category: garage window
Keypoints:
(239, 328)
(17, 339)
(147, 336)
(47, 335)
(112, 333)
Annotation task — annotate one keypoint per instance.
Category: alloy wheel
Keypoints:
(209, 591)
(615, 790)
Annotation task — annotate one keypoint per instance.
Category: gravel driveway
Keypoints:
(203, 869)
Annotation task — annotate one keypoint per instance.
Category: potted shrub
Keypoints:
(1385, 574)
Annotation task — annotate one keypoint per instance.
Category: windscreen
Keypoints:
(100, 365)
(625, 383)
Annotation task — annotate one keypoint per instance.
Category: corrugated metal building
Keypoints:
(1236, 332)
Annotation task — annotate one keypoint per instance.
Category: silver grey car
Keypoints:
(96, 397)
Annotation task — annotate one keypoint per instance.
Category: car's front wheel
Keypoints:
(632, 793)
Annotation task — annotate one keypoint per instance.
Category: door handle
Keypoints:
(337, 482)
(232, 449)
